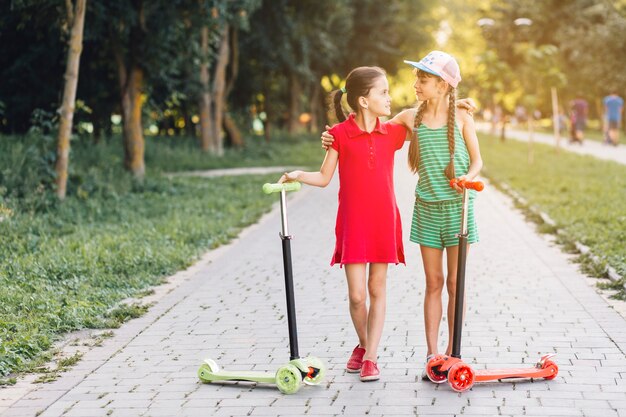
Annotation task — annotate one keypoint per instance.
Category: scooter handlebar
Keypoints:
(472, 185)
(276, 188)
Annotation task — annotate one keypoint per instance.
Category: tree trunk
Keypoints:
(556, 116)
(189, 129)
(531, 138)
(205, 96)
(233, 64)
(97, 131)
(219, 87)
(230, 126)
(266, 131)
(132, 125)
(233, 132)
(131, 83)
(295, 91)
(69, 97)
(315, 107)
(267, 123)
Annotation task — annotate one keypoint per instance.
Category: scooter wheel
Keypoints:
(553, 368)
(288, 379)
(461, 377)
(317, 371)
(433, 370)
(207, 369)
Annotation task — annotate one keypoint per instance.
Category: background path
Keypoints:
(589, 147)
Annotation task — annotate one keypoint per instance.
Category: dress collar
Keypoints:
(354, 130)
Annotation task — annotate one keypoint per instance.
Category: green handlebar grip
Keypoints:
(276, 188)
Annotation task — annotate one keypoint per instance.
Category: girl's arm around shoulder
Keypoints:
(468, 130)
(405, 118)
(320, 178)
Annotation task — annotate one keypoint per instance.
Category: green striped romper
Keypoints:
(437, 212)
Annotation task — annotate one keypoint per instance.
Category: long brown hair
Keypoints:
(358, 83)
(414, 152)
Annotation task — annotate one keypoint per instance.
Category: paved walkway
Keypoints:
(589, 147)
(525, 298)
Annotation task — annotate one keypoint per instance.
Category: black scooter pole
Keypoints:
(460, 279)
(291, 303)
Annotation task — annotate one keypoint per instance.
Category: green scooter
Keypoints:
(289, 377)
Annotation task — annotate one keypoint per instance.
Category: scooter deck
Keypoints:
(253, 376)
(496, 374)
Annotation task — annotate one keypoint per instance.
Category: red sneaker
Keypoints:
(356, 360)
(369, 371)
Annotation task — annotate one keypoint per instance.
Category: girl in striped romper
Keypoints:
(443, 146)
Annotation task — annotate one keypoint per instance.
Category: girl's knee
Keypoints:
(451, 287)
(377, 291)
(377, 282)
(434, 285)
(357, 299)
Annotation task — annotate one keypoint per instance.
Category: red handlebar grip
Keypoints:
(472, 185)
(475, 185)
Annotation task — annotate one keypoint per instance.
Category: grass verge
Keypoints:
(583, 195)
(66, 266)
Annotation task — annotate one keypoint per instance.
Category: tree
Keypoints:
(319, 39)
(141, 36)
(76, 17)
(219, 63)
(590, 38)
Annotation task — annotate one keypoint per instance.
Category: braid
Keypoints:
(449, 171)
(414, 150)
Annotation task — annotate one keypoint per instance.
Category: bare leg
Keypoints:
(355, 274)
(613, 135)
(377, 287)
(433, 267)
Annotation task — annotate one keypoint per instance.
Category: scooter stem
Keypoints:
(460, 279)
(291, 303)
(283, 212)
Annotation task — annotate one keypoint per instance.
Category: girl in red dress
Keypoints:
(368, 228)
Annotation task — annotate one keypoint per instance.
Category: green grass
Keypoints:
(585, 196)
(66, 266)
(302, 150)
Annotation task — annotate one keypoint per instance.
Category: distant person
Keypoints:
(580, 110)
(520, 114)
(561, 121)
(613, 106)
(572, 125)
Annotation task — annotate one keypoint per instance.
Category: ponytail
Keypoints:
(414, 149)
(449, 171)
(335, 100)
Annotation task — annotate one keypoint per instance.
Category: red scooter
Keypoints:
(460, 375)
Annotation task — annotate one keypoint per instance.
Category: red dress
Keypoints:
(368, 225)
